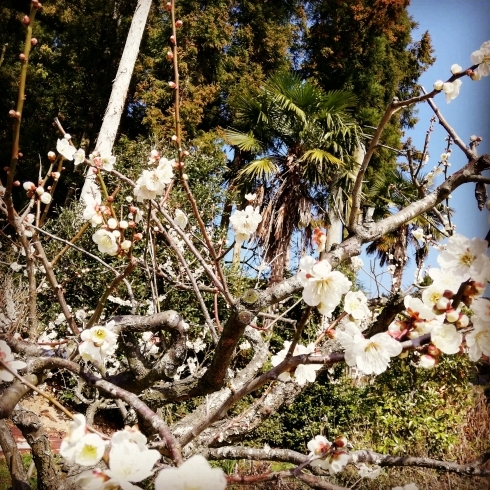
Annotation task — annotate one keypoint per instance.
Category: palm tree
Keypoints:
(392, 189)
(299, 139)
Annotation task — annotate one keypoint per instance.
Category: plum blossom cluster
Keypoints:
(152, 183)
(303, 372)
(480, 57)
(463, 274)
(330, 456)
(98, 343)
(245, 223)
(130, 461)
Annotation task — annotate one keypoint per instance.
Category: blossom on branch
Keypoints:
(98, 343)
(65, 149)
(451, 89)
(303, 372)
(446, 338)
(478, 340)
(323, 287)
(195, 474)
(7, 358)
(106, 242)
(245, 223)
(481, 57)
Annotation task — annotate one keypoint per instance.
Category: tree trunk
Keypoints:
(115, 107)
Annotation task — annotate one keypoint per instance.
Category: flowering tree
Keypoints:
(147, 358)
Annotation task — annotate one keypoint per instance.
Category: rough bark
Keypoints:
(13, 459)
(28, 422)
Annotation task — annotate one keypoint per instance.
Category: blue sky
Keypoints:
(457, 29)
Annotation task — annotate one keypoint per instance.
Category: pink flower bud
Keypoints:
(16, 183)
(172, 84)
(29, 186)
(179, 24)
(51, 156)
(340, 441)
(26, 20)
(138, 236)
(433, 350)
(172, 39)
(123, 224)
(427, 362)
(168, 6)
(22, 57)
(170, 56)
(33, 41)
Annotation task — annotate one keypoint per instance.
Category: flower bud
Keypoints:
(126, 244)
(67, 136)
(12, 113)
(179, 24)
(442, 305)
(433, 350)
(413, 334)
(20, 154)
(16, 183)
(456, 69)
(155, 153)
(112, 223)
(51, 156)
(123, 224)
(168, 6)
(427, 362)
(172, 39)
(174, 137)
(29, 186)
(55, 175)
(438, 85)
(138, 236)
(463, 321)
(26, 20)
(22, 57)
(476, 76)
(452, 315)
(340, 441)
(170, 56)
(40, 191)
(46, 198)
(116, 233)
(33, 41)
(172, 84)
(131, 224)
(185, 153)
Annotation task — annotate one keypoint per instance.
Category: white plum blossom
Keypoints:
(333, 463)
(98, 342)
(451, 89)
(130, 462)
(323, 287)
(180, 219)
(482, 57)
(348, 338)
(195, 474)
(427, 361)
(46, 198)
(7, 358)
(152, 183)
(107, 162)
(16, 267)
(92, 210)
(64, 148)
(446, 338)
(372, 356)
(318, 446)
(86, 451)
(466, 258)
(245, 223)
(366, 471)
(478, 340)
(106, 242)
(445, 279)
(250, 197)
(79, 156)
(356, 263)
(355, 303)
(433, 294)
(417, 309)
(303, 372)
